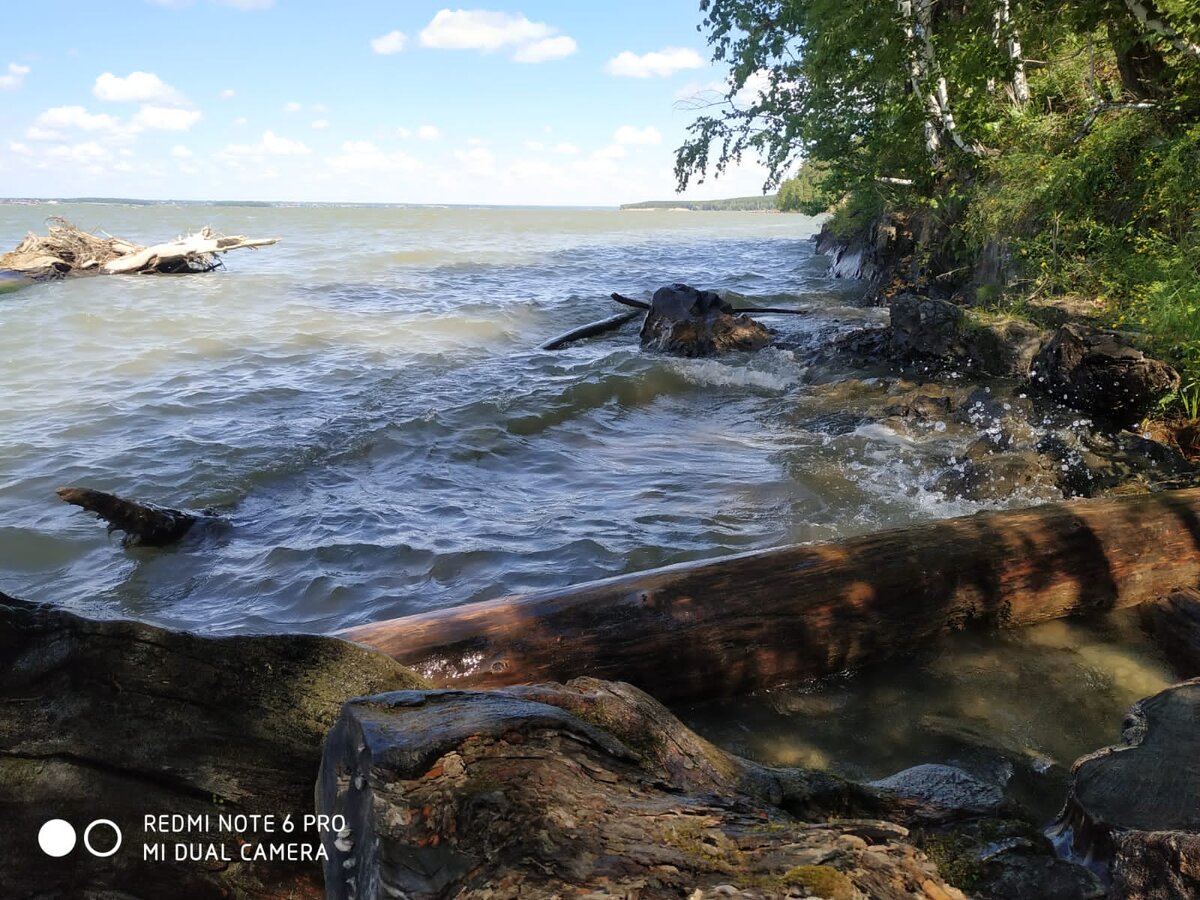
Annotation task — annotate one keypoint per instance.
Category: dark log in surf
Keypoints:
(757, 619)
(586, 331)
(1144, 787)
(144, 524)
(773, 310)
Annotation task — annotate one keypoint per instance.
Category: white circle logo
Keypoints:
(87, 834)
(56, 837)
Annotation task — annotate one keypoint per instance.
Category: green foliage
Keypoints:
(804, 192)
(1091, 188)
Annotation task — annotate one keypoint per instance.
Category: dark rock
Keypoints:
(947, 787)
(588, 789)
(1099, 373)
(1004, 347)
(118, 720)
(1162, 865)
(686, 322)
(1021, 876)
(926, 327)
(997, 476)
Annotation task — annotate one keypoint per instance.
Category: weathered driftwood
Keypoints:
(773, 310)
(1149, 783)
(581, 790)
(1174, 622)
(756, 619)
(67, 249)
(144, 524)
(592, 329)
(119, 720)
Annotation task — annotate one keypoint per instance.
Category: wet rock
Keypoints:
(687, 322)
(1020, 876)
(1099, 373)
(1003, 347)
(926, 327)
(585, 789)
(997, 476)
(1174, 622)
(942, 786)
(118, 720)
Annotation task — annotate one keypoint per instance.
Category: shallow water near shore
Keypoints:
(364, 403)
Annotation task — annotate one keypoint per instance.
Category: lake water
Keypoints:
(366, 405)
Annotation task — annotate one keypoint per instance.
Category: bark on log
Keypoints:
(590, 330)
(1144, 789)
(1174, 622)
(119, 720)
(753, 620)
(144, 524)
(200, 247)
(588, 789)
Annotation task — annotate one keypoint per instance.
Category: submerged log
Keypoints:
(1124, 799)
(757, 619)
(1174, 622)
(586, 789)
(590, 330)
(144, 524)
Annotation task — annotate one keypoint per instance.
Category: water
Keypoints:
(365, 405)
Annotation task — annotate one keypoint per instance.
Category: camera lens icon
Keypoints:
(57, 837)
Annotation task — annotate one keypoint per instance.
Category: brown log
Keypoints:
(757, 619)
(775, 310)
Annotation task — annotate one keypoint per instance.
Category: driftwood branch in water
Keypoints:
(749, 310)
(590, 330)
(66, 250)
(757, 619)
(144, 524)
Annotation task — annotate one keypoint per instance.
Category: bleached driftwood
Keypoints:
(196, 249)
(66, 250)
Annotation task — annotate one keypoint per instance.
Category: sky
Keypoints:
(533, 102)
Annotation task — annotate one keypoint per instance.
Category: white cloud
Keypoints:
(19, 148)
(627, 134)
(480, 29)
(476, 161)
(535, 146)
(612, 151)
(48, 125)
(487, 30)
(660, 63)
(363, 156)
(320, 108)
(87, 152)
(565, 149)
(161, 118)
(14, 77)
(270, 145)
(228, 94)
(247, 5)
(136, 87)
(428, 133)
(240, 120)
(320, 124)
(404, 133)
(181, 152)
(546, 49)
(752, 91)
(293, 107)
(392, 42)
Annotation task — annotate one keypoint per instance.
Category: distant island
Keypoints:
(762, 203)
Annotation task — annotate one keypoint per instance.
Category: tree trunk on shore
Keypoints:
(586, 789)
(753, 620)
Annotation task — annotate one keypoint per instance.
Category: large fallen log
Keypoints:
(756, 619)
(144, 524)
(67, 249)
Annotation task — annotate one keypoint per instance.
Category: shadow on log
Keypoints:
(588, 789)
(1174, 623)
(144, 524)
(753, 620)
(119, 720)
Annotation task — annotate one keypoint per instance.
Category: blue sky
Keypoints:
(539, 102)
